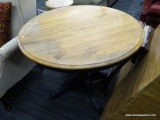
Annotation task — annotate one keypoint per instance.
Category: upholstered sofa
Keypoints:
(13, 64)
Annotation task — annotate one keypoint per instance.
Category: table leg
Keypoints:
(68, 86)
(95, 101)
(106, 82)
(138, 56)
(4, 101)
(83, 80)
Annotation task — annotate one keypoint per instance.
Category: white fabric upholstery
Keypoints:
(28, 10)
(13, 64)
(8, 49)
(22, 11)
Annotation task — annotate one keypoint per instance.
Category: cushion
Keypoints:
(5, 15)
(155, 9)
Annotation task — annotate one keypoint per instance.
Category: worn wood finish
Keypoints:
(75, 38)
(53, 4)
(137, 88)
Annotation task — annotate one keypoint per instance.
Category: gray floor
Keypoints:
(131, 7)
(41, 4)
(32, 101)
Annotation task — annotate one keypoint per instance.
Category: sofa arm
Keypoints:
(8, 49)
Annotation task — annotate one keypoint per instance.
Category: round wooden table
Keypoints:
(80, 37)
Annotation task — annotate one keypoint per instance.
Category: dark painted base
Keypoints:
(82, 80)
(5, 103)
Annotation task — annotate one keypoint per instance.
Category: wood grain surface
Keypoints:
(54, 4)
(137, 88)
(80, 37)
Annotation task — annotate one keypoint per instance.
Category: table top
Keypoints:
(53, 4)
(80, 37)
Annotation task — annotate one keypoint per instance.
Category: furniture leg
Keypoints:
(110, 77)
(68, 86)
(5, 103)
(136, 57)
(139, 55)
(95, 101)
(81, 81)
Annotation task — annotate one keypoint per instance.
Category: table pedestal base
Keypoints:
(83, 80)
(4, 101)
